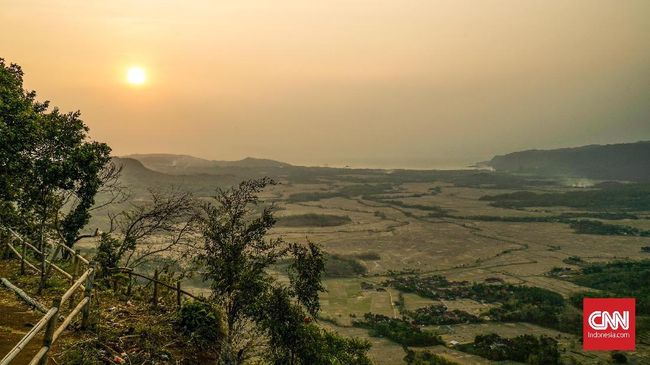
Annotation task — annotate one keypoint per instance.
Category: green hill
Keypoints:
(624, 161)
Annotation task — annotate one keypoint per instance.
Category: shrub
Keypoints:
(202, 322)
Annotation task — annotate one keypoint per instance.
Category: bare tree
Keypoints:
(164, 224)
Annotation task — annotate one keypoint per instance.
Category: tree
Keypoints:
(170, 218)
(46, 158)
(263, 316)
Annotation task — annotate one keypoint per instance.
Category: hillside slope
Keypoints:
(185, 165)
(625, 161)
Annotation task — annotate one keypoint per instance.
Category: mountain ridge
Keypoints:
(616, 161)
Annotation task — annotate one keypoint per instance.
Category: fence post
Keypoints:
(155, 288)
(178, 293)
(22, 260)
(49, 330)
(75, 264)
(75, 274)
(88, 294)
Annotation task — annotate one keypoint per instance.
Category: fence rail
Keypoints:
(85, 282)
(155, 280)
(50, 319)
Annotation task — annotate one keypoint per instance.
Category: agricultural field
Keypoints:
(463, 226)
(397, 232)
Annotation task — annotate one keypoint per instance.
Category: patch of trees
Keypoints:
(528, 349)
(433, 211)
(438, 314)
(605, 229)
(495, 180)
(623, 197)
(313, 220)
(398, 330)
(425, 358)
(518, 303)
(561, 218)
(368, 256)
(622, 279)
(347, 191)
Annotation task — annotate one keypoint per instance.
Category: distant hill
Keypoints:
(188, 165)
(139, 178)
(624, 161)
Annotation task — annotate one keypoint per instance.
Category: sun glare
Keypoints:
(136, 75)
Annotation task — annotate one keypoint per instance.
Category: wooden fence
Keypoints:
(49, 321)
(156, 282)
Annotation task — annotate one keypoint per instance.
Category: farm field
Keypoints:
(377, 227)
(398, 230)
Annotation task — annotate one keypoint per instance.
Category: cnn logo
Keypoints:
(601, 320)
(608, 324)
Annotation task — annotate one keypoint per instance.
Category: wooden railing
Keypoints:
(156, 282)
(50, 319)
(53, 315)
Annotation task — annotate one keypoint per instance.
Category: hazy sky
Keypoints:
(417, 83)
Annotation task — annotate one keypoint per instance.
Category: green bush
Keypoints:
(202, 322)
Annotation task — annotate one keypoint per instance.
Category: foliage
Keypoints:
(617, 197)
(438, 314)
(347, 191)
(620, 278)
(202, 323)
(398, 330)
(294, 339)
(605, 229)
(529, 349)
(518, 303)
(107, 256)
(619, 357)
(305, 275)
(236, 256)
(425, 358)
(49, 170)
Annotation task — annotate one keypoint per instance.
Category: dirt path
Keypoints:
(16, 320)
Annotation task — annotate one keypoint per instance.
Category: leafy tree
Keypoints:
(50, 170)
(263, 317)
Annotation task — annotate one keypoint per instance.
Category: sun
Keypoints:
(135, 75)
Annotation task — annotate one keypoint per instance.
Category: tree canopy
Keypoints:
(50, 171)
